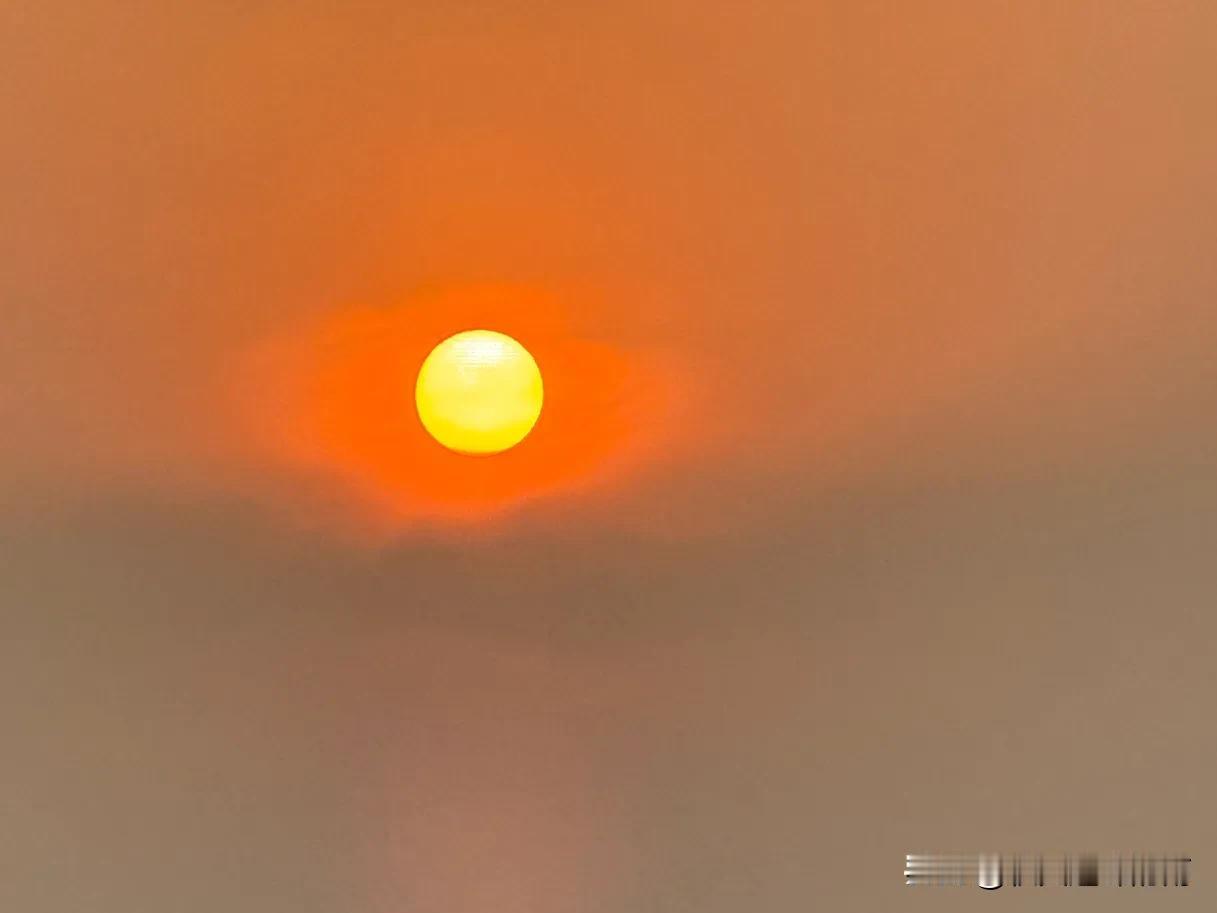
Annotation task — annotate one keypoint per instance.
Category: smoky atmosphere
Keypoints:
(536, 457)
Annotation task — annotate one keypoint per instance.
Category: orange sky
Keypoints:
(854, 243)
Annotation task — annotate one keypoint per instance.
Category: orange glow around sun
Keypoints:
(337, 400)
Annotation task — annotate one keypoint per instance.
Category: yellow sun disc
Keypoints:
(479, 392)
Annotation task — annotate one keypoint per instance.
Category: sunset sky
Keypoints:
(872, 509)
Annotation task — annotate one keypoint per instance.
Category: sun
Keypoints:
(479, 392)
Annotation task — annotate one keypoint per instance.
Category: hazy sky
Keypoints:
(880, 518)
